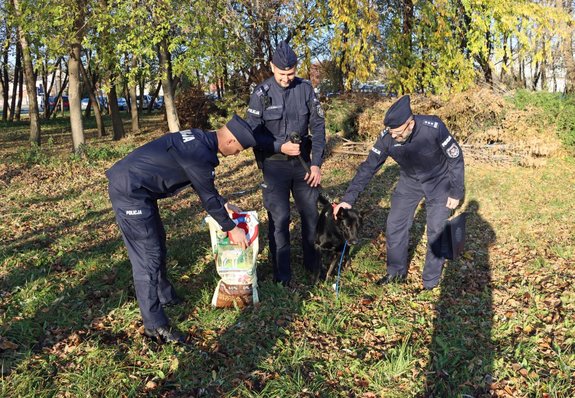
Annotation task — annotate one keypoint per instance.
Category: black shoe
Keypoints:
(175, 301)
(388, 279)
(165, 334)
(431, 287)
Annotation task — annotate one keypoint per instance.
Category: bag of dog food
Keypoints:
(236, 267)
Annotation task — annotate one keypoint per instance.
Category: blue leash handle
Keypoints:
(339, 270)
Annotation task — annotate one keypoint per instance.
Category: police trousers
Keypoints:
(404, 202)
(282, 177)
(145, 238)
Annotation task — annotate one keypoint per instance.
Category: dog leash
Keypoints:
(339, 271)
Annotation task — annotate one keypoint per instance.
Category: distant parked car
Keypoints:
(159, 102)
(103, 103)
(145, 99)
(64, 100)
(122, 104)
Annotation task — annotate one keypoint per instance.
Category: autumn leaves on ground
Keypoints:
(502, 323)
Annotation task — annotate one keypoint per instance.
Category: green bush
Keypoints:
(227, 106)
(558, 108)
(106, 152)
(341, 115)
(33, 154)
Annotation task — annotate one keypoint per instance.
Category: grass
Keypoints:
(500, 325)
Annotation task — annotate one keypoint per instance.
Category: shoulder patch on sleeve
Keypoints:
(376, 151)
(431, 123)
(453, 151)
(254, 111)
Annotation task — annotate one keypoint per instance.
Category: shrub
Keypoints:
(556, 108)
(194, 109)
(343, 112)
(106, 152)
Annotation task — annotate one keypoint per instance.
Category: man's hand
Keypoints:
(313, 178)
(238, 237)
(342, 205)
(290, 149)
(452, 203)
(232, 208)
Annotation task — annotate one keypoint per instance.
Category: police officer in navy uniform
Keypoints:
(284, 109)
(156, 170)
(431, 167)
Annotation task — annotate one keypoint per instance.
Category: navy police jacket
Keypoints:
(166, 165)
(430, 156)
(274, 112)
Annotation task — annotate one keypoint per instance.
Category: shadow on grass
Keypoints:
(461, 350)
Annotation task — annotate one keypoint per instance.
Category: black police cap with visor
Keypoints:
(284, 57)
(398, 113)
(242, 131)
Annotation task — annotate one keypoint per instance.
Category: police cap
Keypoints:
(284, 57)
(398, 113)
(242, 131)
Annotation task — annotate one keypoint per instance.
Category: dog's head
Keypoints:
(349, 222)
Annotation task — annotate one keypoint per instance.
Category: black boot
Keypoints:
(165, 334)
(388, 279)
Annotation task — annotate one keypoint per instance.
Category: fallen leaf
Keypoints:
(7, 345)
(151, 385)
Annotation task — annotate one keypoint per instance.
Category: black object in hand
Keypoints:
(294, 137)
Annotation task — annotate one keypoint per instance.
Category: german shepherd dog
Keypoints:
(331, 235)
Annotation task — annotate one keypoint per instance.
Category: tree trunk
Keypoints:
(567, 49)
(166, 73)
(483, 60)
(408, 22)
(35, 130)
(154, 96)
(133, 101)
(93, 102)
(5, 79)
(505, 61)
(536, 76)
(117, 123)
(523, 74)
(134, 109)
(141, 104)
(17, 71)
(75, 98)
(20, 93)
(58, 97)
(48, 88)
